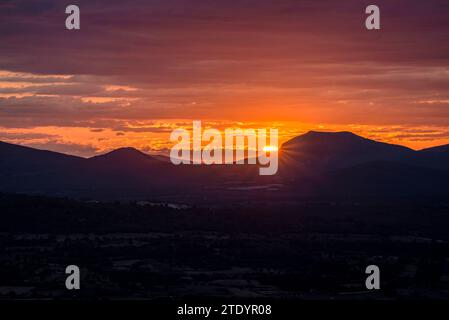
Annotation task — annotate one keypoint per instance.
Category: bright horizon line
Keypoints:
(164, 154)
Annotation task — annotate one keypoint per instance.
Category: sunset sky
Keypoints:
(138, 69)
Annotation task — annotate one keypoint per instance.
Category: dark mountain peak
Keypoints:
(124, 156)
(331, 135)
(323, 151)
(313, 133)
(320, 137)
(125, 151)
(337, 140)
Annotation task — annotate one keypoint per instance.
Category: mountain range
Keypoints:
(315, 163)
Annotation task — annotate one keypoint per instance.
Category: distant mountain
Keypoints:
(324, 151)
(314, 163)
(126, 160)
(16, 159)
(123, 154)
(28, 170)
(125, 172)
(344, 162)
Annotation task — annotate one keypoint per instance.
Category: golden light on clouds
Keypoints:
(119, 86)
(154, 136)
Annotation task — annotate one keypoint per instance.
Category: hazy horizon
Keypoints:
(165, 152)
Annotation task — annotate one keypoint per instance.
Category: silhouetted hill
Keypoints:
(438, 149)
(125, 172)
(16, 159)
(124, 156)
(313, 163)
(28, 170)
(127, 160)
(437, 157)
(323, 151)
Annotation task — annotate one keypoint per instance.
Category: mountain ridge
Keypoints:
(310, 133)
(320, 161)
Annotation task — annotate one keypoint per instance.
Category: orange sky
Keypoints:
(153, 136)
(138, 70)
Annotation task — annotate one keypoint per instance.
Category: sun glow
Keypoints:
(270, 149)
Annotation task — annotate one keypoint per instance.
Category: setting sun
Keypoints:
(270, 149)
